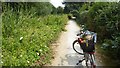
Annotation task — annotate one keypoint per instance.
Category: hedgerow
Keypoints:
(26, 37)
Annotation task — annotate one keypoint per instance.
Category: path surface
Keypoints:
(64, 53)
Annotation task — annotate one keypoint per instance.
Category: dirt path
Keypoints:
(64, 53)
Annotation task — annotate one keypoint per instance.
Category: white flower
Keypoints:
(45, 46)
(1, 55)
(21, 38)
(28, 61)
(40, 50)
(20, 55)
(1, 62)
(37, 53)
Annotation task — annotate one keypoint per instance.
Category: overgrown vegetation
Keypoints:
(29, 28)
(104, 19)
(27, 32)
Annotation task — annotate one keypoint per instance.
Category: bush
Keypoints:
(27, 38)
(103, 18)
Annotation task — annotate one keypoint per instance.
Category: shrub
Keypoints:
(26, 38)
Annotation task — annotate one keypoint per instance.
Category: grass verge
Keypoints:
(26, 38)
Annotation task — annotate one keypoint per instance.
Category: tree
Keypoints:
(40, 8)
(70, 6)
(59, 10)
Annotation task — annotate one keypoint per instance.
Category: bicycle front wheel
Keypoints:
(77, 48)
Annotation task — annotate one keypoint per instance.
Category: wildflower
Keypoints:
(28, 61)
(1, 62)
(20, 55)
(40, 50)
(21, 38)
(45, 46)
(1, 55)
(37, 53)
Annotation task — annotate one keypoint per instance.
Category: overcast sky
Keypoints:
(57, 3)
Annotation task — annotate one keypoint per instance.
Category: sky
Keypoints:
(57, 3)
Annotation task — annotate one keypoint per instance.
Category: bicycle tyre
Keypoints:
(76, 41)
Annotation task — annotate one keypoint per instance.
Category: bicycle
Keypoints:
(88, 56)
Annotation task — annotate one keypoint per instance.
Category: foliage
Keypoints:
(102, 18)
(59, 10)
(69, 6)
(26, 37)
(39, 8)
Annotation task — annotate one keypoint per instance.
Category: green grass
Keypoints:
(37, 33)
